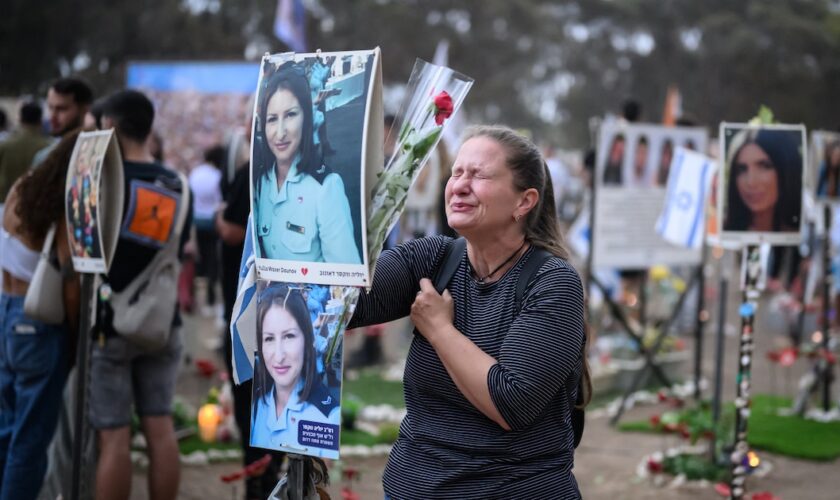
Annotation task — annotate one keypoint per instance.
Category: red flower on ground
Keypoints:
(443, 107)
(654, 466)
(350, 473)
(722, 489)
(788, 356)
(655, 421)
(229, 478)
(258, 467)
(764, 495)
(205, 367)
(348, 494)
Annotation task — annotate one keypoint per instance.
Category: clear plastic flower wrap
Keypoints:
(433, 94)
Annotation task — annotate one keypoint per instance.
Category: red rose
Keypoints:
(229, 478)
(443, 107)
(654, 466)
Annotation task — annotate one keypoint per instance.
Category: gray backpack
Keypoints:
(143, 310)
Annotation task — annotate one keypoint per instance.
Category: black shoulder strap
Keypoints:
(449, 263)
(535, 261)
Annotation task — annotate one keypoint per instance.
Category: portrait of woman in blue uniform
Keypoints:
(301, 209)
(292, 407)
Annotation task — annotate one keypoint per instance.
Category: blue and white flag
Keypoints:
(289, 24)
(243, 325)
(682, 221)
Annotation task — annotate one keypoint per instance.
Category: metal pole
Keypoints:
(719, 351)
(82, 354)
(747, 309)
(590, 270)
(827, 284)
(702, 317)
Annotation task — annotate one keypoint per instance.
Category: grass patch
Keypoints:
(371, 389)
(792, 436)
(767, 430)
(357, 437)
(194, 443)
(638, 426)
(696, 467)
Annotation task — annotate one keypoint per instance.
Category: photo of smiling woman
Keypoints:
(764, 181)
(293, 409)
(301, 209)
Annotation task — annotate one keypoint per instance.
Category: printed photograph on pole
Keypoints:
(824, 172)
(762, 174)
(633, 167)
(309, 149)
(93, 200)
(296, 400)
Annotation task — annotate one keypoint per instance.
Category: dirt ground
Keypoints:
(606, 460)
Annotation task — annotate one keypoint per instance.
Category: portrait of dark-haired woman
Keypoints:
(764, 189)
(301, 210)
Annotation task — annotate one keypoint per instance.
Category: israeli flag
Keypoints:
(682, 221)
(243, 325)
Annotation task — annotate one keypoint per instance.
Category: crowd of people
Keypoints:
(496, 400)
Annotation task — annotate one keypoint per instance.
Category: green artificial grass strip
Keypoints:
(371, 389)
(767, 430)
(792, 436)
(638, 426)
(194, 443)
(357, 437)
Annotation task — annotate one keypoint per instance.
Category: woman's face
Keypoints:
(283, 125)
(480, 192)
(282, 347)
(756, 178)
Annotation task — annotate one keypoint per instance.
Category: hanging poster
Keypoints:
(632, 170)
(296, 401)
(824, 172)
(762, 174)
(317, 129)
(93, 195)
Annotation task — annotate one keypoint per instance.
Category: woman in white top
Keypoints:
(34, 357)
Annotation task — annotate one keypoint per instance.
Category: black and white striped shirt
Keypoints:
(446, 447)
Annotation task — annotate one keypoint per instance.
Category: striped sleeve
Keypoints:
(396, 281)
(542, 347)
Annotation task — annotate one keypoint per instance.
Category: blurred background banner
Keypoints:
(199, 104)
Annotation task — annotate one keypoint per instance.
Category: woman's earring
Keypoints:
(517, 217)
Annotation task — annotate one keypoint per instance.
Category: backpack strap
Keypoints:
(452, 256)
(535, 261)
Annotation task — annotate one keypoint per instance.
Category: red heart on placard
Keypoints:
(304, 270)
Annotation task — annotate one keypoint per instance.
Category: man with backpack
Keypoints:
(137, 343)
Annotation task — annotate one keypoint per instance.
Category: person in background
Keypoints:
(156, 146)
(4, 125)
(205, 183)
(126, 378)
(68, 101)
(17, 152)
(35, 358)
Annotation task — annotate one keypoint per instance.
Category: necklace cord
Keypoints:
(494, 271)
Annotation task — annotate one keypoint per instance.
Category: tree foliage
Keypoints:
(539, 64)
